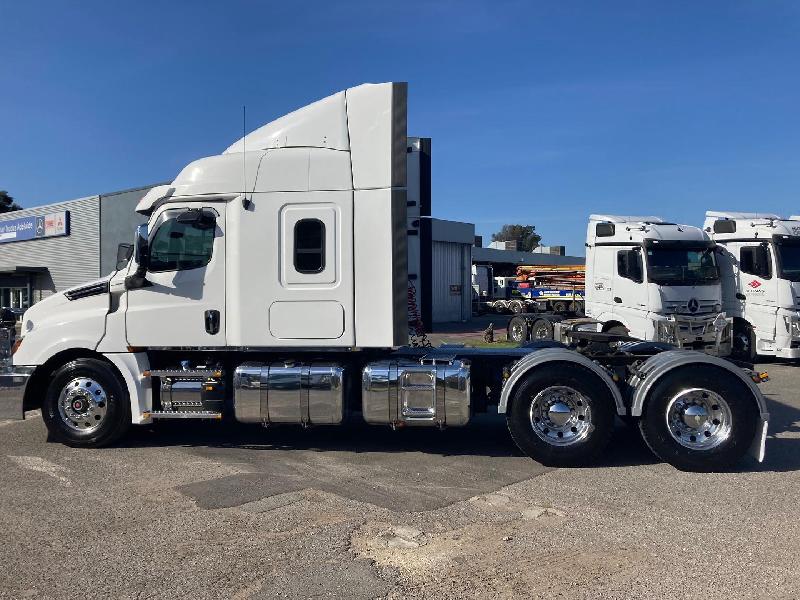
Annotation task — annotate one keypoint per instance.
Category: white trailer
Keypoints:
(759, 260)
(647, 279)
(270, 286)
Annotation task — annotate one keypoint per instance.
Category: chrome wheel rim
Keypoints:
(83, 404)
(699, 419)
(517, 332)
(541, 332)
(560, 415)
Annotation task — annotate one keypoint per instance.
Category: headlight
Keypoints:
(665, 332)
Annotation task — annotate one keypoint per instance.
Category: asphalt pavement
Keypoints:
(204, 510)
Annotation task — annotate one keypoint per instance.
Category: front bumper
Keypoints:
(696, 333)
(13, 383)
(783, 353)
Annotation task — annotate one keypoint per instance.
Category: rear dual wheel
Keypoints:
(699, 418)
(518, 329)
(562, 415)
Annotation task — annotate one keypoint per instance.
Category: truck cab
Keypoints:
(655, 281)
(759, 262)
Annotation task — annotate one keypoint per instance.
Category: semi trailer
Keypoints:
(269, 286)
(759, 259)
(648, 279)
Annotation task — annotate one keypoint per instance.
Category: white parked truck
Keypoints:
(759, 261)
(269, 286)
(649, 279)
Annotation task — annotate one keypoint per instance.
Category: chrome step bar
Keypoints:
(201, 414)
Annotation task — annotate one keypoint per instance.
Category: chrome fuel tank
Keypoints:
(289, 393)
(416, 393)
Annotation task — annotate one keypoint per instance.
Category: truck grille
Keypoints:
(672, 307)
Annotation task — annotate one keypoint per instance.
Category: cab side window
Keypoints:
(629, 265)
(309, 246)
(179, 245)
(756, 260)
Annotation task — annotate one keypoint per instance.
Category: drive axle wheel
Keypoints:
(86, 405)
(699, 418)
(542, 329)
(518, 329)
(562, 415)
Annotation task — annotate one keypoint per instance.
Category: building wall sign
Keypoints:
(34, 227)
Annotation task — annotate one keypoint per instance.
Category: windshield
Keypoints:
(681, 266)
(789, 260)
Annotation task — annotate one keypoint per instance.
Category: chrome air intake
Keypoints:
(404, 392)
(289, 392)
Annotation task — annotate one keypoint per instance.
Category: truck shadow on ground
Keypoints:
(485, 436)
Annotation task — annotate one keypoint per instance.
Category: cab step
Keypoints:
(200, 414)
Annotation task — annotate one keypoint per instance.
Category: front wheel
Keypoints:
(562, 415)
(743, 342)
(86, 404)
(699, 418)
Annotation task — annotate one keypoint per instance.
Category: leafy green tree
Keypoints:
(7, 203)
(525, 235)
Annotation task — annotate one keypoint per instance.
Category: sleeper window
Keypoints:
(309, 246)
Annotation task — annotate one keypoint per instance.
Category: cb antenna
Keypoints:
(245, 202)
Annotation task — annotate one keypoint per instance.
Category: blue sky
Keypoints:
(540, 113)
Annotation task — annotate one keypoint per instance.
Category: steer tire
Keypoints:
(743, 342)
(594, 394)
(744, 418)
(112, 400)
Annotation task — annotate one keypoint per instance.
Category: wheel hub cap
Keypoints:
(560, 415)
(82, 404)
(699, 419)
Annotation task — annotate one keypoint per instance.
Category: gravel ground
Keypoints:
(186, 510)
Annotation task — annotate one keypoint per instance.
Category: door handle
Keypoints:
(741, 296)
(617, 299)
(212, 321)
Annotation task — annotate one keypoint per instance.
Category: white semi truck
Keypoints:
(269, 286)
(759, 260)
(648, 279)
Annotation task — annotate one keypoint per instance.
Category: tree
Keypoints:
(525, 235)
(7, 203)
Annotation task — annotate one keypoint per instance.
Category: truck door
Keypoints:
(629, 293)
(757, 288)
(184, 301)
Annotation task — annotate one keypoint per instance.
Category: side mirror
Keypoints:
(124, 253)
(142, 256)
(762, 260)
(629, 265)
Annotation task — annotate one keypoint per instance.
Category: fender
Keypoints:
(660, 364)
(550, 355)
(663, 362)
(132, 366)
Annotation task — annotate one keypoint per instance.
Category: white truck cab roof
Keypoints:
(620, 229)
(352, 140)
(729, 226)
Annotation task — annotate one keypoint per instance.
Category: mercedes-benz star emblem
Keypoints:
(693, 305)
